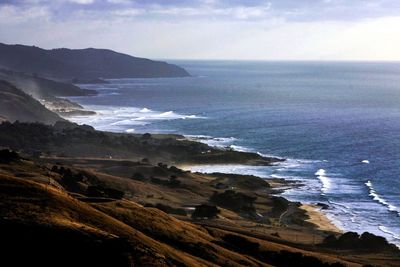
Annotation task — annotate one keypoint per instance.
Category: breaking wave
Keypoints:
(381, 200)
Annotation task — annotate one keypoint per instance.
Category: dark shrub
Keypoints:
(366, 241)
(235, 201)
(114, 193)
(138, 176)
(99, 191)
(279, 205)
(7, 156)
(205, 211)
(94, 191)
(146, 136)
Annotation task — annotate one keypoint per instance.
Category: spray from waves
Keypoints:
(121, 119)
(219, 142)
(379, 199)
(145, 110)
(326, 183)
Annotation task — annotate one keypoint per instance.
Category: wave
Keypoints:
(219, 142)
(326, 182)
(145, 110)
(121, 119)
(381, 200)
(365, 161)
(387, 231)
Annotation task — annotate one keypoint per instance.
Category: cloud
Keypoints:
(82, 2)
(289, 10)
(210, 29)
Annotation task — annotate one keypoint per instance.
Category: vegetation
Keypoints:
(7, 156)
(352, 240)
(235, 201)
(205, 211)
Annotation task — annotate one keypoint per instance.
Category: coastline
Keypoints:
(319, 218)
(316, 214)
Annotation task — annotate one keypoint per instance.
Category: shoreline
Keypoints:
(319, 218)
(315, 214)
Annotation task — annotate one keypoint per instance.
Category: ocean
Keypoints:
(336, 123)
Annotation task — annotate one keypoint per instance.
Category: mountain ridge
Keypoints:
(87, 63)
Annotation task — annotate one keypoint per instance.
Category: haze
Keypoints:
(210, 29)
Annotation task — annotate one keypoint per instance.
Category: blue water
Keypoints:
(337, 123)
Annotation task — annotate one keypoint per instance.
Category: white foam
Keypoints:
(387, 231)
(380, 199)
(240, 148)
(120, 119)
(326, 183)
(365, 161)
(219, 142)
(145, 110)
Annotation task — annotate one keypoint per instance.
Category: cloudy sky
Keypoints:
(211, 29)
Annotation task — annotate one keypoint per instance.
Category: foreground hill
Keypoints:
(87, 63)
(51, 215)
(17, 105)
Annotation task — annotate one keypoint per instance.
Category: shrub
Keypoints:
(138, 176)
(205, 211)
(7, 156)
(235, 201)
(146, 136)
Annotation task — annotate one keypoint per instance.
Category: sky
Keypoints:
(210, 29)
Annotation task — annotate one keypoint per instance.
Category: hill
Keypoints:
(41, 88)
(17, 105)
(83, 64)
(46, 221)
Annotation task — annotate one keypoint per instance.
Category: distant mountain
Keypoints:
(17, 105)
(87, 63)
(41, 88)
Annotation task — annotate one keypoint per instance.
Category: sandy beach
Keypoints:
(318, 218)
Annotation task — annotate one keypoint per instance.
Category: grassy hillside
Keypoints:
(41, 88)
(17, 105)
(43, 223)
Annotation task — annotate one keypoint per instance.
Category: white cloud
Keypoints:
(209, 32)
(82, 2)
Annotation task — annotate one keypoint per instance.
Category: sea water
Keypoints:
(336, 123)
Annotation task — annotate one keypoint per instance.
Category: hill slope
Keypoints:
(42, 224)
(41, 88)
(17, 105)
(87, 63)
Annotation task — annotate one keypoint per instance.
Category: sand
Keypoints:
(318, 218)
